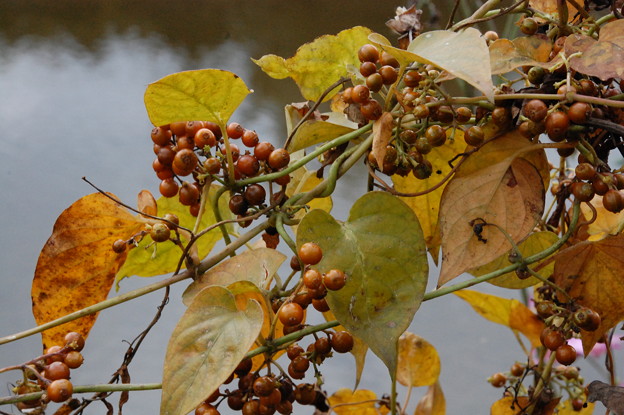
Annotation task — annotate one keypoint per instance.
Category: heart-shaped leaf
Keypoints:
(381, 249)
(209, 341)
(419, 363)
(205, 94)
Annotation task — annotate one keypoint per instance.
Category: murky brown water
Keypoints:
(72, 76)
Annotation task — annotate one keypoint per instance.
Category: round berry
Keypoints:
(412, 78)
(368, 53)
(238, 205)
(248, 165)
(585, 171)
(264, 386)
(474, 136)
(291, 314)
(168, 188)
(204, 137)
(374, 82)
(582, 191)
(60, 390)
(613, 200)
(312, 279)
(178, 128)
(342, 342)
(310, 253)
(278, 158)
(334, 279)
(579, 112)
(565, 354)
(254, 194)
(160, 232)
(557, 124)
(322, 346)
(300, 363)
(56, 370)
(184, 162)
(388, 59)
(74, 341)
(250, 138)
(234, 130)
(367, 69)
(587, 319)
(74, 359)
(206, 409)
(360, 94)
(435, 135)
(389, 74)
(320, 304)
(552, 339)
(529, 26)
(166, 155)
(371, 110)
(57, 354)
(189, 194)
(535, 110)
(463, 114)
(498, 380)
(119, 246)
(161, 136)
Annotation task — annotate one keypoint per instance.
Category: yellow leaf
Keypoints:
(536, 242)
(509, 406)
(508, 312)
(320, 131)
(419, 363)
(206, 94)
(302, 181)
(433, 403)
(606, 223)
(565, 408)
(506, 55)
(77, 265)
(318, 64)
(427, 206)
(346, 402)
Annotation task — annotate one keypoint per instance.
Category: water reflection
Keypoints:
(72, 76)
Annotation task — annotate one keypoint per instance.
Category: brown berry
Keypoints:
(60, 390)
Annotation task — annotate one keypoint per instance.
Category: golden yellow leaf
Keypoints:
(606, 223)
(509, 406)
(565, 408)
(346, 402)
(433, 403)
(313, 132)
(593, 274)
(506, 55)
(318, 64)
(382, 134)
(419, 363)
(427, 206)
(536, 242)
(77, 265)
(302, 180)
(502, 184)
(508, 312)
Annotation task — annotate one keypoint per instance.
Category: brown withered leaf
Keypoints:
(611, 396)
(77, 265)
(503, 184)
(382, 134)
(592, 272)
(506, 55)
(406, 21)
(550, 7)
(602, 58)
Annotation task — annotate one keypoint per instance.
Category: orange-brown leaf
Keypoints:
(593, 274)
(382, 134)
(501, 184)
(77, 265)
(506, 55)
(602, 58)
(146, 203)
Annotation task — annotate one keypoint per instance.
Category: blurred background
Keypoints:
(72, 77)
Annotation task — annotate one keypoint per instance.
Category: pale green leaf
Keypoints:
(382, 250)
(206, 94)
(210, 340)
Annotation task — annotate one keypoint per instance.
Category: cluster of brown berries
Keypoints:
(51, 373)
(317, 352)
(196, 149)
(606, 184)
(159, 232)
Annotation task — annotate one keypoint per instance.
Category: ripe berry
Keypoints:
(291, 314)
(463, 114)
(367, 69)
(56, 370)
(178, 128)
(119, 246)
(360, 94)
(312, 279)
(168, 188)
(579, 112)
(529, 26)
(248, 165)
(474, 136)
(305, 394)
(184, 162)
(293, 373)
(422, 170)
(552, 339)
(545, 309)
(585, 171)
(435, 135)
(56, 357)
(160, 232)
(233, 149)
(264, 386)
(204, 137)
(166, 155)
(334, 279)
(444, 114)
(322, 346)
(498, 380)
(368, 53)
(251, 407)
(234, 130)
(535, 110)
(613, 201)
(254, 194)
(501, 116)
(74, 359)
(342, 342)
(408, 136)
(517, 369)
(300, 363)
(189, 194)
(536, 75)
(412, 78)
(586, 319)
(600, 186)
(578, 404)
(212, 165)
(320, 304)
(565, 354)
(60, 390)
(235, 400)
(582, 191)
(490, 36)
(284, 407)
(310, 253)
(389, 74)
(388, 59)
(557, 124)
(206, 409)
(371, 110)
(250, 138)
(185, 142)
(278, 158)
(161, 136)
(238, 205)
(374, 82)
(293, 351)
(74, 341)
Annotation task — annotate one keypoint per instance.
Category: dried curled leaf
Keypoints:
(382, 134)
(611, 396)
(507, 55)
(77, 265)
(318, 64)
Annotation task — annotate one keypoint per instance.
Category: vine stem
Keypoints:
(106, 387)
(201, 268)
